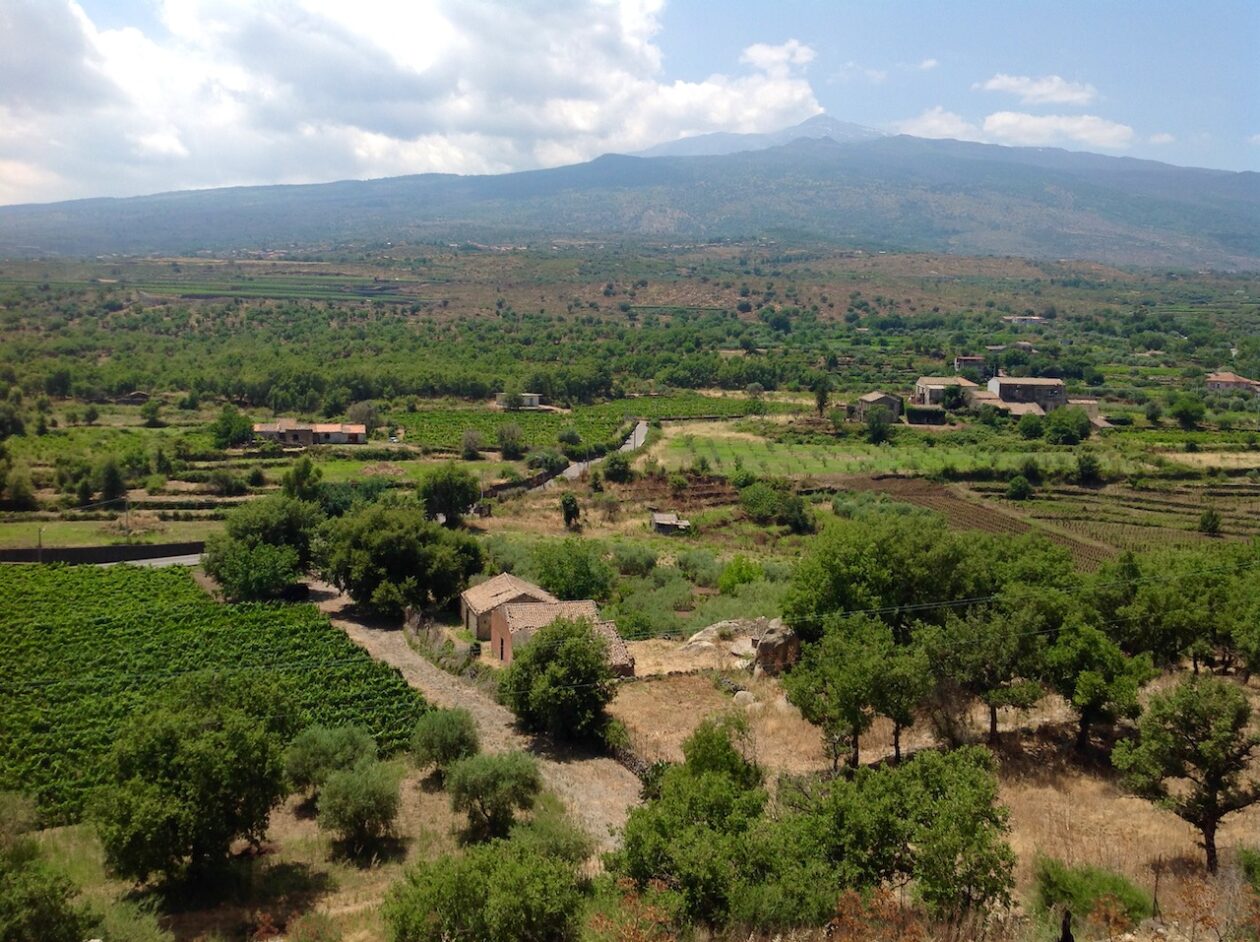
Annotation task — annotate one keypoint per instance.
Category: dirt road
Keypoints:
(596, 791)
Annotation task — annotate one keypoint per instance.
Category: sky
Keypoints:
(124, 97)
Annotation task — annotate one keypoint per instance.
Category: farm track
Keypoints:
(596, 791)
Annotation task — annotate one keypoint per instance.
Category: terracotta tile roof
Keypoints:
(944, 381)
(502, 588)
(528, 617)
(1228, 376)
(1027, 381)
(876, 396)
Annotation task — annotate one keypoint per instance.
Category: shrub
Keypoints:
(738, 571)
(443, 737)
(360, 804)
(490, 789)
(617, 468)
(1210, 522)
(246, 572)
(506, 891)
(633, 559)
(1018, 488)
(548, 460)
(319, 751)
(700, 566)
(573, 569)
(1080, 888)
(560, 682)
(470, 445)
(511, 441)
(1030, 426)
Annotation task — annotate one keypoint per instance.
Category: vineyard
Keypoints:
(85, 647)
(598, 425)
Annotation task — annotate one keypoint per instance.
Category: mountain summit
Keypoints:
(722, 142)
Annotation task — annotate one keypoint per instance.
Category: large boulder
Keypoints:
(776, 649)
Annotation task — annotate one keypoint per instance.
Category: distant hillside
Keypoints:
(714, 145)
(886, 193)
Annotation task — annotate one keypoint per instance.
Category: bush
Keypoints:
(633, 559)
(511, 441)
(1018, 488)
(700, 566)
(360, 804)
(548, 460)
(1030, 426)
(573, 569)
(506, 891)
(617, 468)
(490, 789)
(319, 751)
(560, 682)
(443, 737)
(1210, 522)
(1080, 888)
(738, 571)
(470, 445)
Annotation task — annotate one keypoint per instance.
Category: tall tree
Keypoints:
(448, 491)
(1200, 736)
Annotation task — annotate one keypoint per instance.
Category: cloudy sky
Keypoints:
(120, 97)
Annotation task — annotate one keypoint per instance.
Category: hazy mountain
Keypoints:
(721, 142)
(885, 193)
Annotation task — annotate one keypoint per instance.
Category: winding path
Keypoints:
(597, 792)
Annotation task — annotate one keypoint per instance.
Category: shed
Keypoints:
(513, 625)
(877, 400)
(669, 523)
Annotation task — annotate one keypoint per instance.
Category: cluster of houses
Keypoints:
(506, 612)
(1015, 395)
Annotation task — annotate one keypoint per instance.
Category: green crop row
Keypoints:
(85, 647)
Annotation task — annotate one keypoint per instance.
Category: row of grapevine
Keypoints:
(84, 647)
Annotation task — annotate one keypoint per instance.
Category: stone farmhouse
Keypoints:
(1045, 392)
(877, 400)
(477, 604)
(930, 390)
(305, 434)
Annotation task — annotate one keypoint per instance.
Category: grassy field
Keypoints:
(102, 532)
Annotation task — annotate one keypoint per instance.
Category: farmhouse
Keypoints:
(669, 523)
(930, 390)
(478, 604)
(1047, 393)
(514, 624)
(1227, 381)
(877, 400)
(289, 432)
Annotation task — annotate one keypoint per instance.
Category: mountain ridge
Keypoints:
(890, 192)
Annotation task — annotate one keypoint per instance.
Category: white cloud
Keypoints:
(856, 72)
(1163, 137)
(928, 64)
(939, 123)
(234, 91)
(1040, 130)
(1046, 90)
(1021, 129)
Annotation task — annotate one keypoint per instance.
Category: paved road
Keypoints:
(193, 560)
(597, 792)
(575, 470)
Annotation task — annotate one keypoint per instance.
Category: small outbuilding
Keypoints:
(877, 400)
(669, 523)
(513, 625)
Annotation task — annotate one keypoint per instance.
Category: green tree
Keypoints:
(1153, 412)
(878, 425)
(151, 412)
(834, 683)
(1069, 426)
(1188, 411)
(1199, 735)
(448, 491)
(573, 569)
(277, 520)
(490, 789)
(571, 509)
(388, 557)
(470, 445)
(109, 479)
(739, 571)
(19, 490)
(199, 769)
(301, 482)
(822, 394)
(366, 414)
(1089, 670)
(319, 751)
(1030, 426)
(91, 414)
(37, 902)
(1018, 488)
(1210, 521)
(504, 890)
(905, 684)
(443, 737)
(248, 572)
(560, 682)
(511, 441)
(230, 429)
(617, 468)
(360, 804)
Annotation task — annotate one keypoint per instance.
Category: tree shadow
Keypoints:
(371, 854)
(433, 783)
(235, 899)
(1048, 755)
(307, 809)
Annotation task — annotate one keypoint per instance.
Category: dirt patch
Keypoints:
(1214, 459)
